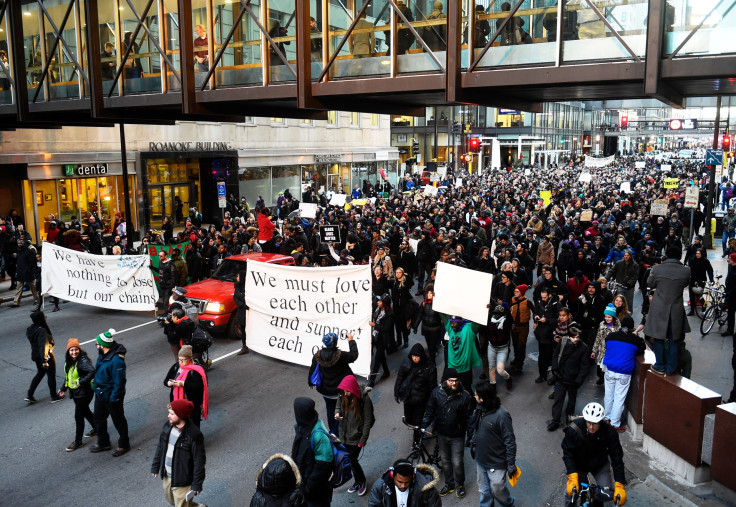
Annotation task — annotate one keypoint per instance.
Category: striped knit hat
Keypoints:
(105, 339)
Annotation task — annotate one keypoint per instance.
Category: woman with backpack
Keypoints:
(354, 413)
(610, 324)
(329, 366)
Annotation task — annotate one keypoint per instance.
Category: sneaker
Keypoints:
(74, 446)
(355, 487)
(91, 433)
(509, 384)
(120, 451)
(657, 370)
(446, 490)
(538, 380)
(56, 398)
(620, 429)
(460, 492)
(100, 448)
(361, 490)
(243, 350)
(30, 399)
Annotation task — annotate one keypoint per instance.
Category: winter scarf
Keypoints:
(179, 390)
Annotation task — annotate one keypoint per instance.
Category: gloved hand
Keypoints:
(514, 476)
(361, 444)
(572, 482)
(619, 492)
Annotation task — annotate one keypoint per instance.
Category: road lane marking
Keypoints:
(226, 355)
(123, 331)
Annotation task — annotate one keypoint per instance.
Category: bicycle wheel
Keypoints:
(709, 319)
(700, 310)
(707, 303)
(415, 457)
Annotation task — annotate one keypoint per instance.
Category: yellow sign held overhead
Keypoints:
(671, 182)
(546, 196)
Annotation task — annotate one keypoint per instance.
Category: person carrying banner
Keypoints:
(462, 352)
(334, 365)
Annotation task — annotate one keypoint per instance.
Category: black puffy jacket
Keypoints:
(278, 484)
(591, 451)
(415, 381)
(86, 372)
(572, 362)
(334, 364)
(430, 319)
(449, 412)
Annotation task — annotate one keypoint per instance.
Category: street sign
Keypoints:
(713, 157)
(692, 197)
(329, 233)
(221, 194)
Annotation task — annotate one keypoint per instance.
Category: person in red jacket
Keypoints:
(265, 226)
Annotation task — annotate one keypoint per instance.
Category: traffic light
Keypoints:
(726, 143)
(624, 122)
(414, 147)
(730, 154)
(474, 144)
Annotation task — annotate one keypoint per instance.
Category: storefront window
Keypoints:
(47, 205)
(254, 183)
(68, 199)
(286, 177)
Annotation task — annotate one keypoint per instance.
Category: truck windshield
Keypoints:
(228, 270)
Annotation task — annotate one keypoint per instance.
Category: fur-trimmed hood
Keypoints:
(278, 476)
(427, 477)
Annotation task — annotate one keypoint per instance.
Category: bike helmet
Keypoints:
(329, 340)
(593, 413)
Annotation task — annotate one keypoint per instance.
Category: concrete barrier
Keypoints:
(723, 464)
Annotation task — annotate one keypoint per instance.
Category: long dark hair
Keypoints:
(487, 393)
(69, 361)
(350, 402)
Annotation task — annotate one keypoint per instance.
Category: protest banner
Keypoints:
(546, 196)
(155, 249)
(118, 282)
(413, 243)
(338, 199)
(307, 210)
(430, 190)
(461, 291)
(359, 202)
(625, 187)
(292, 308)
(598, 162)
(659, 208)
(585, 178)
(586, 215)
(671, 182)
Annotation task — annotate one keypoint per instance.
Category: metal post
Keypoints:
(436, 121)
(126, 188)
(707, 241)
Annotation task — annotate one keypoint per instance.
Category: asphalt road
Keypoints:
(251, 418)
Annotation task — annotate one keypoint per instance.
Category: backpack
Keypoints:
(316, 378)
(190, 310)
(342, 465)
(201, 340)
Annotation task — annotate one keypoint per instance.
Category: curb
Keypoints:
(670, 494)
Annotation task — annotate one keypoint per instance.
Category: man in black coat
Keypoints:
(449, 409)
(406, 259)
(166, 277)
(25, 272)
(570, 364)
(546, 313)
(414, 383)
(186, 471)
(426, 259)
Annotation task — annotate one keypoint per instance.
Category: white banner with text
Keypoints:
(118, 282)
(292, 308)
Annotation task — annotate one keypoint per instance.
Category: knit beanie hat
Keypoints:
(449, 373)
(610, 310)
(329, 340)
(182, 408)
(72, 342)
(185, 351)
(522, 288)
(105, 339)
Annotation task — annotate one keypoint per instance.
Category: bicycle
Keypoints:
(716, 311)
(591, 495)
(707, 297)
(419, 453)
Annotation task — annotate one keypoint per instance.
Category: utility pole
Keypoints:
(708, 241)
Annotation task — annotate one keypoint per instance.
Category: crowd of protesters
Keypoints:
(567, 254)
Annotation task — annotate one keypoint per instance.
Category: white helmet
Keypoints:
(593, 412)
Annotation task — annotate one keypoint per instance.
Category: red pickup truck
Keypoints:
(214, 296)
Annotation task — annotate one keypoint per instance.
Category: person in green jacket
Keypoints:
(312, 453)
(462, 352)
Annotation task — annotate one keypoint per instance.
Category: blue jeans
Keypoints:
(665, 352)
(617, 385)
(726, 237)
(493, 488)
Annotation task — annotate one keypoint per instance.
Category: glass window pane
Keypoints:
(169, 27)
(282, 30)
(255, 183)
(6, 95)
(286, 177)
(141, 69)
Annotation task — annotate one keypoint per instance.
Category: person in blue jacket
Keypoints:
(622, 347)
(109, 386)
